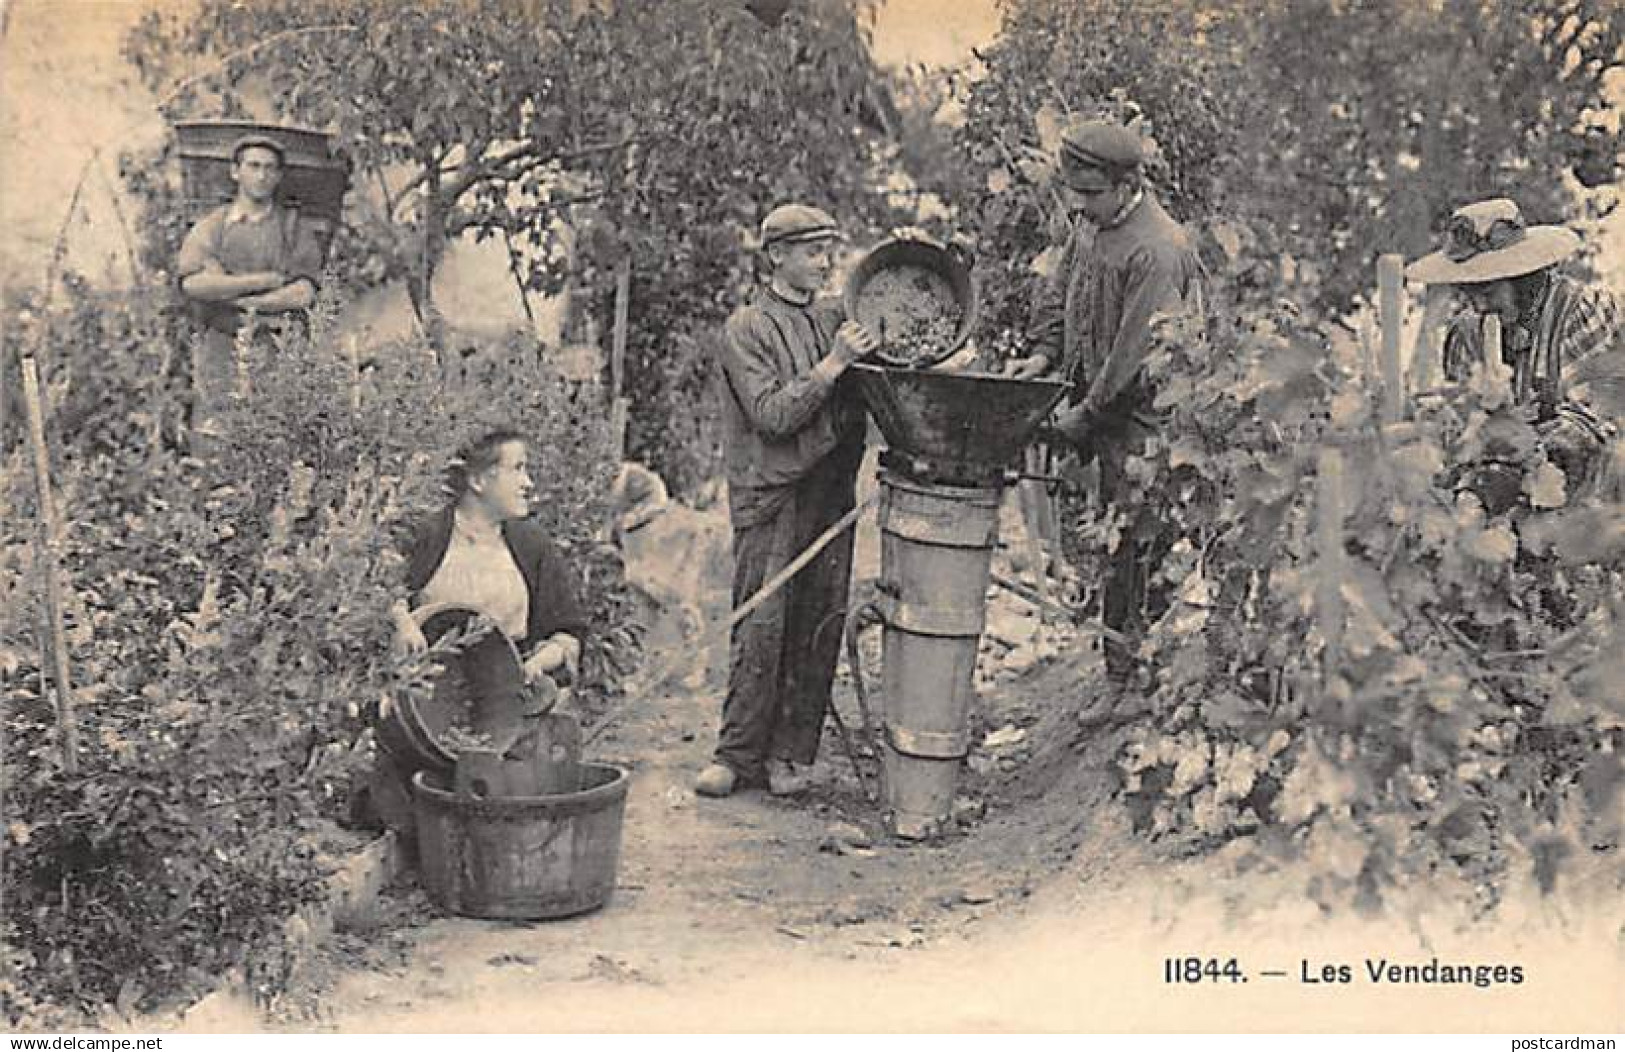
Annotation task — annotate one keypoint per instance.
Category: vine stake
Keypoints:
(48, 566)
(1329, 540)
(1390, 294)
(619, 406)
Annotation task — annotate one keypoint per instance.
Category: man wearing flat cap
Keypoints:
(250, 262)
(793, 441)
(1126, 265)
(1560, 337)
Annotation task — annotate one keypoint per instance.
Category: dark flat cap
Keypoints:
(264, 142)
(790, 223)
(1104, 145)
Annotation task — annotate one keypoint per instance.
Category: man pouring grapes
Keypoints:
(1126, 263)
(793, 441)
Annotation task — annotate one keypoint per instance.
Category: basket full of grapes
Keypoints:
(916, 297)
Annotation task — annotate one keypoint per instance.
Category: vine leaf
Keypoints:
(1497, 545)
(1314, 783)
(1546, 486)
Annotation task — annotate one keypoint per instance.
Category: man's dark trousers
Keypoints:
(782, 657)
(1130, 597)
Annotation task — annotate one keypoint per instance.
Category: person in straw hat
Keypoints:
(792, 440)
(1127, 264)
(1561, 339)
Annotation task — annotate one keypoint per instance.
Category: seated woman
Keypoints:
(481, 552)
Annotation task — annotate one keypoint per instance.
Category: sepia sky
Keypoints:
(933, 32)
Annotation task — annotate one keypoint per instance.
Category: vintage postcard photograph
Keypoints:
(809, 516)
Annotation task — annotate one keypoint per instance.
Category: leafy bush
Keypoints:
(229, 641)
(1359, 662)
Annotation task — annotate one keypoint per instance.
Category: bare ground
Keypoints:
(1046, 914)
(1042, 912)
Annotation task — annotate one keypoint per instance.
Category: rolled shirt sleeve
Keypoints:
(197, 249)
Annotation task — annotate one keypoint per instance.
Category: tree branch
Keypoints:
(231, 57)
(518, 278)
(429, 171)
(529, 152)
(480, 168)
(464, 219)
(390, 200)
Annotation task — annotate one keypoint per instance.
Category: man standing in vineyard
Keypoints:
(249, 262)
(1092, 323)
(793, 440)
(1557, 333)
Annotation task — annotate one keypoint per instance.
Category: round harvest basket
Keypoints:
(418, 732)
(924, 270)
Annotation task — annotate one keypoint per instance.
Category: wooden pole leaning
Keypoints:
(1031, 498)
(749, 606)
(1426, 353)
(619, 405)
(795, 566)
(1329, 512)
(57, 643)
(1391, 300)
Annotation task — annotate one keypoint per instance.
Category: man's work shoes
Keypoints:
(716, 780)
(784, 780)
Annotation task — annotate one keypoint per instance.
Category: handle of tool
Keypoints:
(763, 594)
(1076, 616)
(866, 614)
(797, 564)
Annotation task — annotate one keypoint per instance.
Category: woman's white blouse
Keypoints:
(482, 575)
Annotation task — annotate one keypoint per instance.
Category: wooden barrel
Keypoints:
(313, 179)
(936, 548)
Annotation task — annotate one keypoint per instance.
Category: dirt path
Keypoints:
(1042, 913)
(1046, 915)
(724, 895)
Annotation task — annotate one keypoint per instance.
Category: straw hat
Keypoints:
(1488, 241)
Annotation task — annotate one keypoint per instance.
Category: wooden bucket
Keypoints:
(521, 857)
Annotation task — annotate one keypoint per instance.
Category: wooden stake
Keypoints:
(1491, 328)
(617, 359)
(352, 350)
(35, 407)
(1030, 497)
(1425, 355)
(1329, 542)
(1391, 297)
